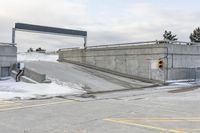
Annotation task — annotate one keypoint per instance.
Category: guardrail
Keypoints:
(64, 49)
(145, 43)
(136, 44)
(3, 43)
(122, 44)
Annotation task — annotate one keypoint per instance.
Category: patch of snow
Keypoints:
(179, 98)
(186, 84)
(9, 89)
(181, 81)
(34, 56)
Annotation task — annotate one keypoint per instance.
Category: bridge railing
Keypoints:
(3, 43)
(135, 44)
(145, 43)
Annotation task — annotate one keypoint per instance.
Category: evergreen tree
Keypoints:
(40, 50)
(30, 50)
(195, 36)
(168, 36)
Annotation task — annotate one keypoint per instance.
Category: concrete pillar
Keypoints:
(13, 35)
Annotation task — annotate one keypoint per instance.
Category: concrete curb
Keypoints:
(36, 76)
(23, 78)
(31, 76)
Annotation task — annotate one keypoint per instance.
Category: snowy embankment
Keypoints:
(34, 56)
(9, 89)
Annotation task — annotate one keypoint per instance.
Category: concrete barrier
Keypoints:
(31, 76)
(139, 61)
(23, 78)
(34, 75)
(8, 57)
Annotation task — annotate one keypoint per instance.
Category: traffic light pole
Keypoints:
(13, 35)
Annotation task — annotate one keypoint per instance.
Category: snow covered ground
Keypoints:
(34, 56)
(9, 89)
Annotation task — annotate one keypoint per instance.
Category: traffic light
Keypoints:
(160, 64)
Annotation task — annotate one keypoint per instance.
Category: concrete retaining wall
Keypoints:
(31, 76)
(8, 57)
(23, 78)
(40, 78)
(180, 61)
(183, 61)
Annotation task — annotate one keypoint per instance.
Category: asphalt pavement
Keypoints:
(92, 81)
(169, 109)
(120, 112)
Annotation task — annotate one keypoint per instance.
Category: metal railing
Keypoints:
(3, 43)
(123, 44)
(135, 44)
(64, 49)
(145, 43)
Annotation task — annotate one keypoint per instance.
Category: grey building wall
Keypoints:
(8, 57)
(183, 61)
(180, 61)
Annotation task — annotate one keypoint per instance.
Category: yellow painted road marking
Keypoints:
(36, 105)
(137, 122)
(145, 126)
(193, 119)
(167, 118)
(7, 103)
(187, 129)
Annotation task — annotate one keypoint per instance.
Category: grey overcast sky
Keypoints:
(107, 21)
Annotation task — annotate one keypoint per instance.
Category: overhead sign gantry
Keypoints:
(48, 30)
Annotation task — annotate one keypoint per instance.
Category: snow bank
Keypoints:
(34, 56)
(9, 89)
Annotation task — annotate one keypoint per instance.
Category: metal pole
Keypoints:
(13, 36)
(85, 42)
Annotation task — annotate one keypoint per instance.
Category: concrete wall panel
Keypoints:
(179, 60)
(8, 57)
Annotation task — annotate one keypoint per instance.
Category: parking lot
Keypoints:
(153, 110)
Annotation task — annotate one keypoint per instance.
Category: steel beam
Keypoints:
(48, 30)
(53, 30)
